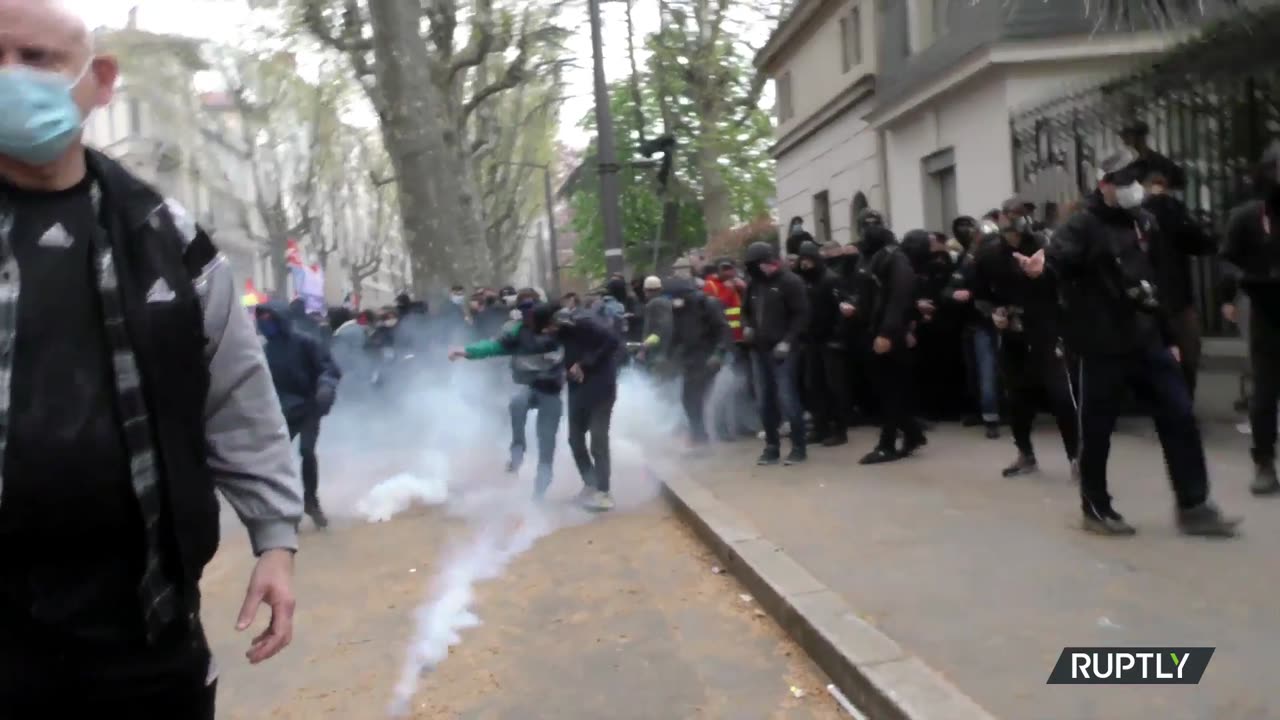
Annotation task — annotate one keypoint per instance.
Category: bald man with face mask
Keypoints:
(131, 386)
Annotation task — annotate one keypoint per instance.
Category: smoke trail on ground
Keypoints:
(447, 426)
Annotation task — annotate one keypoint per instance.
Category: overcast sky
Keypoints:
(220, 20)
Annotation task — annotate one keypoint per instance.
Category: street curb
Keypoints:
(881, 678)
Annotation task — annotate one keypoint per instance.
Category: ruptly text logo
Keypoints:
(1130, 666)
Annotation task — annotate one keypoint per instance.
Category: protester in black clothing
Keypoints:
(1114, 322)
(978, 336)
(1181, 237)
(775, 312)
(306, 381)
(133, 395)
(889, 288)
(700, 343)
(1252, 248)
(1025, 310)
(849, 336)
(796, 235)
(824, 361)
(939, 364)
(591, 356)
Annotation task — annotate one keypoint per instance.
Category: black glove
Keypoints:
(324, 399)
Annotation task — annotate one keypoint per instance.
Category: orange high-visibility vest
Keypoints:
(728, 298)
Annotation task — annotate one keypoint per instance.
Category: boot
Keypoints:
(1206, 520)
(313, 511)
(993, 431)
(1107, 522)
(1264, 480)
(772, 455)
(1025, 464)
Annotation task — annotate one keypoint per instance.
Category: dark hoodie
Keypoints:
(587, 344)
(825, 296)
(776, 307)
(890, 281)
(1000, 282)
(299, 364)
(699, 329)
(1252, 246)
(1095, 255)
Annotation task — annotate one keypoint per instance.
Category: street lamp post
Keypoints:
(606, 154)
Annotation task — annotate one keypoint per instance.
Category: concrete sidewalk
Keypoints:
(986, 579)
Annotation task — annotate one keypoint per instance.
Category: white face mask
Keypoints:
(677, 303)
(1130, 196)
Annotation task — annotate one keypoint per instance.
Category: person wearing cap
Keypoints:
(1114, 323)
(978, 336)
(1253, 230)
(775, 312)
(657, 318)
(1025, 311)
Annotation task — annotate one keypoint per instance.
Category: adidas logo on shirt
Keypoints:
(56, 237)
(160, 292)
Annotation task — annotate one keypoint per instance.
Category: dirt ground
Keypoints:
(621, 617)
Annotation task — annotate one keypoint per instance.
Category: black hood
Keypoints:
(541, 315)
(280, 311)
(874, 239)
(617, 287)
(965, 230)
(810, 251)
(759, 252)
(916, 246)
(680, 288)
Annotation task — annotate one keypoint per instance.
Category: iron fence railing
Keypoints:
(1212, 106)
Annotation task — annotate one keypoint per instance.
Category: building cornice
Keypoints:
(859, 91)
(788, 30)
(1022, 52)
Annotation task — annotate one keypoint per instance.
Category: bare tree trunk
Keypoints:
(442, 226)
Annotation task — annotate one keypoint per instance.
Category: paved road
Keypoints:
(620, 617)
(988, 578)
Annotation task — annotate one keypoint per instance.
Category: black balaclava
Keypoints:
(867, 219)
(758, 252)
(874, 239)
(917, 246)
(965, 230)
(541, 315)
(617, 288)
(811, 252)
(797, 226)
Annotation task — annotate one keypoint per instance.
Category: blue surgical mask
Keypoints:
(41, 118)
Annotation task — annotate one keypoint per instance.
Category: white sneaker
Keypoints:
(598, 502)
(784, 430)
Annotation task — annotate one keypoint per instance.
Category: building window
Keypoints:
(851, 40)
(941, 206)
(822, 217)
(782, 86)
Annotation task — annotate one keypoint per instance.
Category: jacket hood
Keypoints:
(680, 288)
(617, 289)
(280, 311)
(915, 245)
(759, 252)
(812, 251)
(876, 238)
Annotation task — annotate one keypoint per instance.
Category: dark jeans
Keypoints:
(1264, 357)
(693, 395)
(1156, 380)
(982, 372)
(309, 431)
(549, 408)
(195, 702)
(826, 371)
(1036, 375)
(891, 375)
(776, 390)
(591, 414)
(1186, 328)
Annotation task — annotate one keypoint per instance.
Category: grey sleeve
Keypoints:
(250, 454)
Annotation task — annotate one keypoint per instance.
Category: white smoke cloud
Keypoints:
(444, 436)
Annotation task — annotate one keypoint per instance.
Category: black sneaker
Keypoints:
(835, 441)
(993, 431)
(317, 515)
(1024, 465)
(1108, 522)
(797, 456)
(1264, 480)
(1206, 520)
(770, 456)
(880, 455)
(911, 445)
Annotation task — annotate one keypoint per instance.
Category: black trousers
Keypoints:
(827, 385)
(591, 414)
(1156, 381)
(1036, 376)
(693, 395)
(891, 375)
(308, 432)
(1264, 356)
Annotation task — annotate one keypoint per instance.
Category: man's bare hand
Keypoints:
(925, 307)
(1032, 267)
(1229, 312)
(847, 309)
(456, 353)
(1001, 318)
(272, 585)
(1176, 353)
(882, 345)
(575, 373)
(961, 296)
